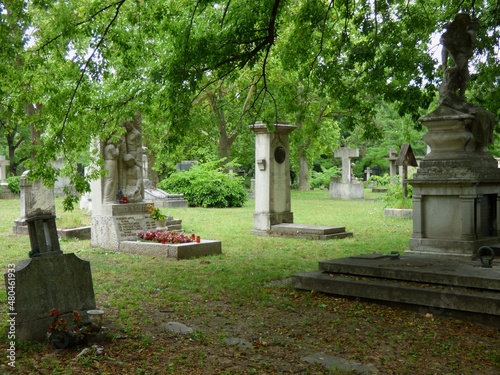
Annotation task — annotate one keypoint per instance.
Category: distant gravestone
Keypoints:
(4, 163)
(35, 197)
(406, 159)
(348, 188)
(393, 156)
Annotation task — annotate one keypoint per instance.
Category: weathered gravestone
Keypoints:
(348, 188)
(49, 279)
(34, 197)
(456, 190)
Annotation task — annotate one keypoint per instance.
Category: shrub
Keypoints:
(382, 182)
(394, 195)
(206, 185)
(13, 184)
(322, 179)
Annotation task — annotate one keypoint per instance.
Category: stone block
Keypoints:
(346, 191)
(174, 251)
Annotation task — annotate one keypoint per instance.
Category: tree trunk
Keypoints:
(304, 183)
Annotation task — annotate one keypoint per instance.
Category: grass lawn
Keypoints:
(233, 296)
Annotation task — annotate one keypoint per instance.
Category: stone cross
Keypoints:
(392, 160)
(346, 154)
(3, 168)
(368, 172)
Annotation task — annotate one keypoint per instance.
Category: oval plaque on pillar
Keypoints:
(279, 154)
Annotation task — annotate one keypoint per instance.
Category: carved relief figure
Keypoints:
(111, 154)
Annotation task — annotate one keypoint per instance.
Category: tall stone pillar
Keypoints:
(272, 176)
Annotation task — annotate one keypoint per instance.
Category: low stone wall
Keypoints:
(174, 251)
(403, 213)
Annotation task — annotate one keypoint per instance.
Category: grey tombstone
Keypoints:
(348, 188)
(4, 163)
(272, 176)
(35, 197)
(456, 190)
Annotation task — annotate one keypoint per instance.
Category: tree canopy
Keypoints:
(87, 66)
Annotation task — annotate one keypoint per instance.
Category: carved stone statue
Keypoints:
(123, 162)
(459, 41)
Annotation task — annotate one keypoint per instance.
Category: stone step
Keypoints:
(420, 294)
(433, 270)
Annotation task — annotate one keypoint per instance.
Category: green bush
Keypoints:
(205, 185)
(394, 195)
(322, 179)
(13, 184)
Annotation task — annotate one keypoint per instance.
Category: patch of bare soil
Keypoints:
(274, 339)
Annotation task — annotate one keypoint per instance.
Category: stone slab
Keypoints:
(306, 228)
(436, 270)
(82, 233)
(174, 251)
(314, 232)
(450, 298)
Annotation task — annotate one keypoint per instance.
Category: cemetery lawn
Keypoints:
(243, 294)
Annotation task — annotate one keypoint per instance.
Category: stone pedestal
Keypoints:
(339, 190)
(272, 176)
(456, 190)
(114, 223)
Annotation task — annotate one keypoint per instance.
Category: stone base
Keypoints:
(263, 221)
(346, 191)
(174, 251)
(455, 217)
(58, 281)
(435, 284)
(120, 222)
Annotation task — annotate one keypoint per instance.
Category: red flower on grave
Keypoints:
(55, 312)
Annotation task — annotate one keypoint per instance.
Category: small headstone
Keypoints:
(4, 163)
